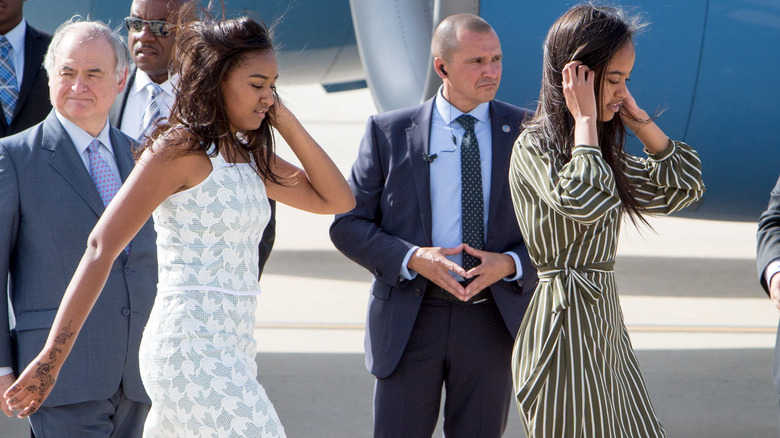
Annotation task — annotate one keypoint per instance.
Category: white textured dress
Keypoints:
(197, 355)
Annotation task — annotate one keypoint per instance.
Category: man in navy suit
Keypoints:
(26, 57)
(768, 261)
(433, 320)
(49, 204)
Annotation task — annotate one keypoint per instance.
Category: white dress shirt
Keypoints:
(136, 102)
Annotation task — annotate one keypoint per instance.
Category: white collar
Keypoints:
(142, 80)
(15, 36)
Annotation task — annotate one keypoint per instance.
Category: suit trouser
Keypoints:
(465, 348)
(117, 417)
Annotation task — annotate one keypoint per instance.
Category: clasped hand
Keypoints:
(433, 264)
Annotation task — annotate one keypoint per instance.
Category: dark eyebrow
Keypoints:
(618, 72)
(262, 76)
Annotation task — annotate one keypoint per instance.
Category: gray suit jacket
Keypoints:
(48, 207)
(768, 238)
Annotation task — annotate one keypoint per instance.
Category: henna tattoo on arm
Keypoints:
(43, 371)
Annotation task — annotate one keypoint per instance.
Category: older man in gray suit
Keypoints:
(55, 180)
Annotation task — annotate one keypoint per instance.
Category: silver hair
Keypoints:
(91, 29)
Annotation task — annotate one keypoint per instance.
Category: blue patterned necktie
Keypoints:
(152, 111)
(101, 174)
(472, 204)
(9, 89)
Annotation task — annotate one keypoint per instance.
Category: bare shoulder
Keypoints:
(176, 156)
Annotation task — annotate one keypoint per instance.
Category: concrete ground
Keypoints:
(702, 327)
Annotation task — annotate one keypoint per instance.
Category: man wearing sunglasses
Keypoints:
(151, 34)
(24, 89)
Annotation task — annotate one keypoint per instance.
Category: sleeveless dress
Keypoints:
(197, 356)
(575, 372)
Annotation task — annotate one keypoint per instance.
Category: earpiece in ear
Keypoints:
(441, 68)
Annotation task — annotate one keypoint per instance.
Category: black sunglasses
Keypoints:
(157, 27)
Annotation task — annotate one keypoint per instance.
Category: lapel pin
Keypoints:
(506, 128)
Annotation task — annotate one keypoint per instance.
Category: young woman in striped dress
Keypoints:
(575, 371)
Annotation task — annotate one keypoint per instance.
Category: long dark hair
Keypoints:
(205, 52)
(590, 34)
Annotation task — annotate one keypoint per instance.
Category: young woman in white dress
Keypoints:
(205, 175)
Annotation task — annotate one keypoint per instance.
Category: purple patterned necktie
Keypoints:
(101, 174)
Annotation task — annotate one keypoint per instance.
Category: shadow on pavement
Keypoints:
(696, 393)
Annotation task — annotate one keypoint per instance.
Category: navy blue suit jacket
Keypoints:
(48, 207)
(391, 183)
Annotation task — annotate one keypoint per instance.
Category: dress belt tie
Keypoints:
(569, 285)
(569, 280)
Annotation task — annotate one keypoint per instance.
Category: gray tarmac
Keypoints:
(703, 329)
(696, 393)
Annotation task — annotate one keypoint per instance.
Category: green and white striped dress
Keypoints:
(575, 372)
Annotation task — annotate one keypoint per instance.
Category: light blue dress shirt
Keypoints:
(16, 36)
(81, 139)
(445, 181)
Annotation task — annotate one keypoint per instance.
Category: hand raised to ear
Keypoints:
(645, 129)
(578, 90)
(633, 117)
